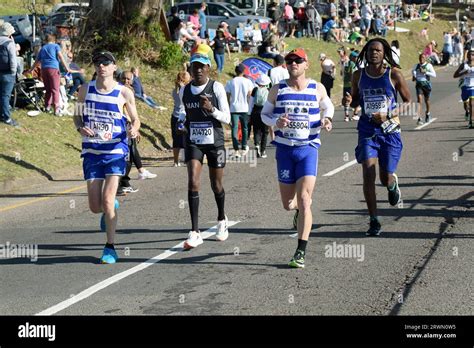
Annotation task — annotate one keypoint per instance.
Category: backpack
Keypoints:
(4, 57)
(261, 95)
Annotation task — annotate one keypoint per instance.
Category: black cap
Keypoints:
(103, 54)
(239, 69)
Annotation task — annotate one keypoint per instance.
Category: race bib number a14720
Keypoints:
(201, 133)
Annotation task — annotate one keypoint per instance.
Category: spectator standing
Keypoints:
(279, 71)
(288, 17)
(313, 23)
(260, 129)
(238, 91)
(447, 48)
(219, 45)
(203, 20)
(49, 57)
(8, 70)
(457, 48)
(174, 24)
(182, 79)
(194, 18)
(366, 18)
(328, 73)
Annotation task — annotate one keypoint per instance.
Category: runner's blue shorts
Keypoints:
(386, 147)
(467, 93)
(294, 162)
(99, 168)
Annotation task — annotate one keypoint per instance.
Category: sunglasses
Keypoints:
(294, 60)
(103, 62)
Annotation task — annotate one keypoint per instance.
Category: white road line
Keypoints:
(109, 281)
(341, 168)
(425, 124)
(294, 235)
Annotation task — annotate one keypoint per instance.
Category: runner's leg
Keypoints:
(108, 205)
(368, 175)
(304, 191)
(194, 185)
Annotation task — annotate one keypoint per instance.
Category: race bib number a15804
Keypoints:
(201, 133)
(298, 128)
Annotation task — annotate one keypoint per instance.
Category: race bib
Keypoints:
(102, 130)
(298, 128)
(202, 133)
(376, 103)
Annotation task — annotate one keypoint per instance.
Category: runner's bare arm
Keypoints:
(132, 111)
(79, 112)
(353, 98)
(326, 107)
(459, 72)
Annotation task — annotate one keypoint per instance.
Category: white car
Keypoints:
(66, 7)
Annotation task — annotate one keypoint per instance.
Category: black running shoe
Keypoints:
(375, 228)
(394, 195)
(295, 219)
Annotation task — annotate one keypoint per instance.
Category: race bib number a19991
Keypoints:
(202, 133)
(374, 104)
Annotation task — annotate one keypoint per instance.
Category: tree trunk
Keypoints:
(126, 9)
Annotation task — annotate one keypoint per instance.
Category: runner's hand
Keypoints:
(133, 133)
(206, 103)
(282, 121)
(327, 124)
(379, 117)
(86, 131)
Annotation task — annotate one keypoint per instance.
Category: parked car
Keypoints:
(68, 19)
(249, 7)
(218, 12)
(23, 30)
(66, 7)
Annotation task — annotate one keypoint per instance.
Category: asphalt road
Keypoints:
(421, 264)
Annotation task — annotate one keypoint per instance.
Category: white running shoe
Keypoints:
(194, 240)
(222, 230)
(146, 175)
(346, 119)
(355, 118)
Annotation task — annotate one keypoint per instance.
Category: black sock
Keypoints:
(302, 245)
(220, 200)
(193, 198)
(109, 246)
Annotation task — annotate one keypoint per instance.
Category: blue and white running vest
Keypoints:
(375, 95)
(302, 108)
(468, 79)
(103, 116)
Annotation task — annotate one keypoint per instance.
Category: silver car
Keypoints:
(218, 12)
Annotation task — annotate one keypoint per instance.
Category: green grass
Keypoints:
(48, 144)
(15, 7)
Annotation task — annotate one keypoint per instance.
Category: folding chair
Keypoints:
(28, 91)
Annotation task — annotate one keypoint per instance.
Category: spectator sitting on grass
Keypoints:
(140, 92)
(330, 31)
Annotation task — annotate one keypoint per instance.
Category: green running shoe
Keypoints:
(298, 260)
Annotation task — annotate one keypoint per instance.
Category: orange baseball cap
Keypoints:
(299, 52)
